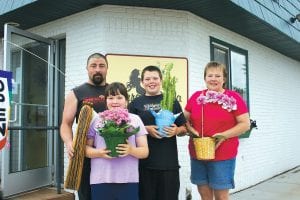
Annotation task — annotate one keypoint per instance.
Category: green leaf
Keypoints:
(169, 88)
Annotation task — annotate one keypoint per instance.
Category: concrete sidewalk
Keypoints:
(281, 187)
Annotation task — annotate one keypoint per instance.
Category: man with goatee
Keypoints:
(92, 92)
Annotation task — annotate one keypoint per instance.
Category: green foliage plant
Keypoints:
(169, 88)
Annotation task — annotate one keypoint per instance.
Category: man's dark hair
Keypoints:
(96, 55)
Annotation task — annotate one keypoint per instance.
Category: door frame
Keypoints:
(13, 183)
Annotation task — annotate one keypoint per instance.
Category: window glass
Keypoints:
(239, 73)
(221, 55)
(235, 60)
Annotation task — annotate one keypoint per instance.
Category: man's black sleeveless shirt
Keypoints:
(91, 94)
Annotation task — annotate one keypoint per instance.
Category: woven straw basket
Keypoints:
(205, 148)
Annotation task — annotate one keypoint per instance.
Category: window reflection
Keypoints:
(239, 73)
(29, 145)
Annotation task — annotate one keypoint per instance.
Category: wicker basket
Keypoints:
(205, 148)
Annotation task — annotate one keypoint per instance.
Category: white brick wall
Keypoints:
(274, 79)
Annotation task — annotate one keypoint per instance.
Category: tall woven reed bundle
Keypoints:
(76, 162)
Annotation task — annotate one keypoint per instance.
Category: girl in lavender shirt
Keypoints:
(116, 178)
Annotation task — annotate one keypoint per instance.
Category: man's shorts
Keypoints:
(219, 175)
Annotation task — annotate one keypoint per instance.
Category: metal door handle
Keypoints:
(15, 113)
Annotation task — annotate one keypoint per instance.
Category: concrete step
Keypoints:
(48, 193)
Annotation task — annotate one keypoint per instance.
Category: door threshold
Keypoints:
(48, 193)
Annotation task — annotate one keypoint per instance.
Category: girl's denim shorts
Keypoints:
(219, 175)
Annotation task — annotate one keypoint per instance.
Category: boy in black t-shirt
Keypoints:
(159, 173)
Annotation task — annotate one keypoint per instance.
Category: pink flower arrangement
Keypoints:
(227, 103)
(115, 122)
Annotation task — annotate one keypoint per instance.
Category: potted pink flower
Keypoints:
(114, 127)
(227, 103)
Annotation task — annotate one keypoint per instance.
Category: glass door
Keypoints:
(27, 165)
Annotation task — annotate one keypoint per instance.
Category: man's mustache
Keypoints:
(98, 74)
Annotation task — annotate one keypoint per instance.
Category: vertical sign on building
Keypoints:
(5, 96)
